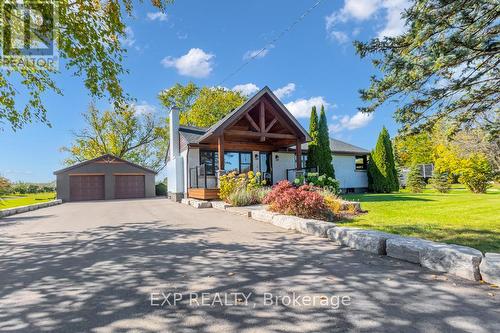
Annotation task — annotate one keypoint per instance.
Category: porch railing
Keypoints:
(291, 174)
(196, 174)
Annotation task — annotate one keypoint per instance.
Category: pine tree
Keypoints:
(415, 183)
(440, 181)
(312, 147)
(383, 176)
(324, 152)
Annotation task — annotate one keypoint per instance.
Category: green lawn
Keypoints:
(10, 201)
(458, 217)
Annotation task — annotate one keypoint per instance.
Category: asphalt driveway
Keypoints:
(92, 267)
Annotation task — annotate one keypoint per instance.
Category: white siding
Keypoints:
(346, 174)
(286, 161)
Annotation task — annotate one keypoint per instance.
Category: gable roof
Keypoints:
(102, 157)
(236, 113)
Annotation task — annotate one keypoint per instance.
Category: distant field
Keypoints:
(11, 201)
(458, 217)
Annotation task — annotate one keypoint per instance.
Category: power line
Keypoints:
(271, 44)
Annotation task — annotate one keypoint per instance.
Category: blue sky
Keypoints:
(205, 41)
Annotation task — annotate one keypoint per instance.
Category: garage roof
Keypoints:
(106, 158)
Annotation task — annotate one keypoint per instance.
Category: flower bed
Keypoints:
(309, 202)
(242, 190)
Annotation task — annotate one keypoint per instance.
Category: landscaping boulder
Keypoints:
(263, 215)
(458, 260)
(406, 248)
(359, 239)
(286, 221)
(200, 203)
(238, 211)
(490, 268)
(221, 205)
(185, 201)
(314, 227)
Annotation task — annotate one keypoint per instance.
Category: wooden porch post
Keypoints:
(220, 149)
(298, 152)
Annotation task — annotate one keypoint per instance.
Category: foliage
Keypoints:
(5, 185)
(312, 146)
(302, 201)
(415, 183)
(250, 183)
(229, 183)
(89, 38)
(322, 181)
(20, 188)
(440, 182)
(413, 149)
(324, 155)
(137, 137)
(382, 174)
(201, 107)
(445, 66)
(247, 197)
(161, 189)
(476, 173)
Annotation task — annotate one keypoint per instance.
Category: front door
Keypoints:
(266, 168)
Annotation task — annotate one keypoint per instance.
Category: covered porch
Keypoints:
(254, 137)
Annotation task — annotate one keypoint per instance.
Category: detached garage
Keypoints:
(103, 178)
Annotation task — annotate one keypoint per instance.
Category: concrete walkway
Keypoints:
(91, 267)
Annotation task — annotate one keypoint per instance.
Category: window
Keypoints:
(361, 162)
(245, 162)
(303, 159)
(233, 161)
(209, 158)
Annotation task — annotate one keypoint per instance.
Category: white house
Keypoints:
(261, 135)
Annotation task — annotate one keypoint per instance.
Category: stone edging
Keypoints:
(458, 260)
(24, 209)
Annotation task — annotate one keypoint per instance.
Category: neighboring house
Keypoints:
(426, 171)
(261, 135)
(103, 178)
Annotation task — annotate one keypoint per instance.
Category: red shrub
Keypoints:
(302, 201)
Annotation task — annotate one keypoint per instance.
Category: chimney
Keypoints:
(174, 132)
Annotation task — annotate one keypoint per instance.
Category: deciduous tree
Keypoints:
(89, 39)
(124, 133)
(201, 107)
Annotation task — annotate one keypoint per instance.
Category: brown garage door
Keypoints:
(129, 186)
(86, 187)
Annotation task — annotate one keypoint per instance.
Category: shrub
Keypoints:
(161, 189)
(229, 183)
(440, 182)
(415, 182)
(4, 185)
(476, 173)
(246, 197)
(323, 181)
(303, 201)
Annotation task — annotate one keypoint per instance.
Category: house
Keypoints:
(103, 178)
(261, 135)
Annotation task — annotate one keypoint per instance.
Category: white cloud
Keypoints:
(182, 35)
(339, 36)
(144, 108)
(301, 108)
(257, 54)
(246, 89)
(196, 63)
(285, 91)
(129, 39)
(359, 120)
(362, 10)
(157, 16)
(394, 25)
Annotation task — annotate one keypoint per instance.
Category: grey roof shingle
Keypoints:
(191, 134)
